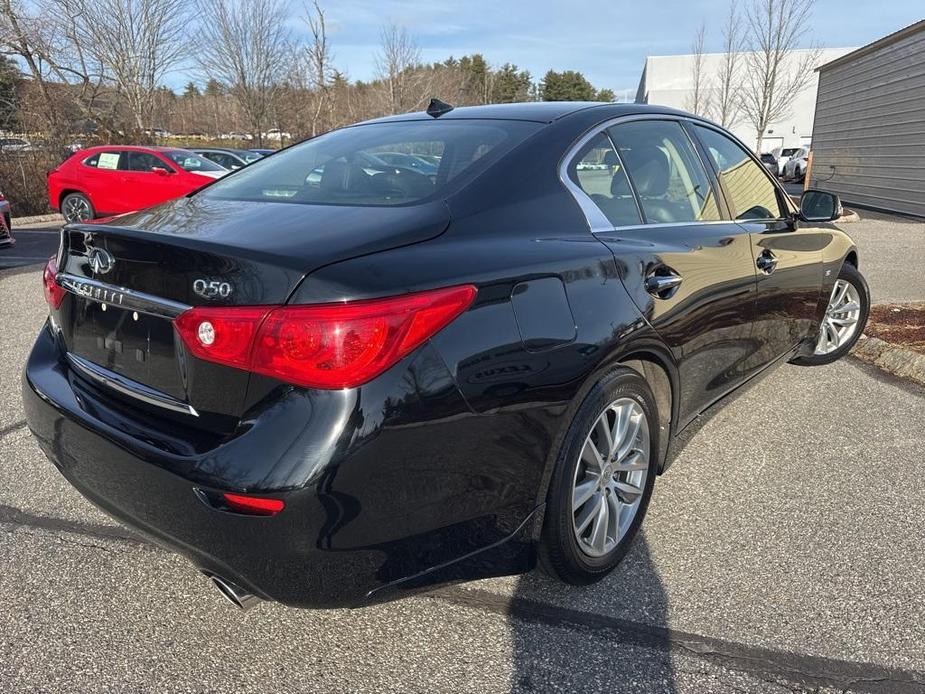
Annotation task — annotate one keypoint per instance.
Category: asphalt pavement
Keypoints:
(783, 552)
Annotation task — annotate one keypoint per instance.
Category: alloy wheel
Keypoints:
(841, 318)
(76, 209)
(610, 477)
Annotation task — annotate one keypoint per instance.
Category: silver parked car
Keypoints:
(795, 169)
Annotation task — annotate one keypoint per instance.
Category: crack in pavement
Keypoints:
(803, 669)
(10, 428)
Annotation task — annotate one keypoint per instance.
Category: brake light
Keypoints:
(323, 345)
(254, 505)
(54, 294)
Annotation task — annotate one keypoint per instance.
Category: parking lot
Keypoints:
(783, 551)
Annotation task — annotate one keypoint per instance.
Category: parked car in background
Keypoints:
(230, 159)
(15, 144)
(782, 156)
(276, 134)
(770, 163)
(409, 161)
(6, 223)
(112, 179)
(405, 380)
(263, 151)
(795, 169)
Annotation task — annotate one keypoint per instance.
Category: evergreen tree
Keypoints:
(566, 86)
(511, 84)
(190, 91)
(10, 78)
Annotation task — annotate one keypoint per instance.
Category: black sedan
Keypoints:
(337, 389)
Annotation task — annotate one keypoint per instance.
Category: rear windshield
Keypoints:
(378, 164)
(789, 151)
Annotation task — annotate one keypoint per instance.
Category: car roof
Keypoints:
(536, 111)
(132, 148)
(229, 150)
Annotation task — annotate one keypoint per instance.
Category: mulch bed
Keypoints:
(899, 324)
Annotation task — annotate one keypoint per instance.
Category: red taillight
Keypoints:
(54, 294)
(254, 505)
(325, 345)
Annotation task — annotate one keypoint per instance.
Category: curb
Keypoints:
(37, 219)
(898, 361)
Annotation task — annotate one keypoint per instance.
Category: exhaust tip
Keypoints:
(233, 593)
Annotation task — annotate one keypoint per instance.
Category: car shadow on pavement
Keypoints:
(610, 636)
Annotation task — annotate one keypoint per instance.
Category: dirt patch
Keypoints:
(899, 324)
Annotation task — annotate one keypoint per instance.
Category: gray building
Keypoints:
(869, 129)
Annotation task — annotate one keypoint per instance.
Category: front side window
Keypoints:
(144, 161)
(597, 170)
(750, 192)
(343, 167)
(666, 172)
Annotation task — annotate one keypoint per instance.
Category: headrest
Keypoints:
(649, 167)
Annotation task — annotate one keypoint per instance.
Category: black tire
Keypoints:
(560, 552)
(74, 201)
(850, 274)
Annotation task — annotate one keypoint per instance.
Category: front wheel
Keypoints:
(844, 319)
(602, 481)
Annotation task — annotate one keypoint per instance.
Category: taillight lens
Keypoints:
(324, 345)
(54, 294)
(253, 505)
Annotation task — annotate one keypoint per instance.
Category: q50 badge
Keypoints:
(212, 289)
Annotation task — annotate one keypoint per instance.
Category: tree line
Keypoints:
(97, 68)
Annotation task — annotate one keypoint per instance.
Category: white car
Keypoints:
(795, 169)
(782, 156)
(276, 134)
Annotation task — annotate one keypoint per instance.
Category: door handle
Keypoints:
(766, 262)
(663, 286)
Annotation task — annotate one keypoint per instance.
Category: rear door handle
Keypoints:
(766, 262)
(663, 286)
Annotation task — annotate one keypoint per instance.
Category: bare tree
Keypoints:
(247, 50)
(396, 62)
(321, 71)
(724, 100)
(774, 74)
(696, 101)
(137, 41)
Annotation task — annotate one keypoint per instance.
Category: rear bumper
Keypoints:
(362, 521)
(6, 225)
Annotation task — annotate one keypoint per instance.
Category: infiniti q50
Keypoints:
(330, 380)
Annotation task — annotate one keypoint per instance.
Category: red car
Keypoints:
(109, 180)
(6, 225)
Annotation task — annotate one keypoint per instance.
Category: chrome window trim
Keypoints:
(104, 293)
(128, 387)
(597, 220)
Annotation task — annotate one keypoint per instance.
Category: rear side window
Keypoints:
(105, 160)
(666, 172)
(598, 171)
(751, 193)
(344, 167)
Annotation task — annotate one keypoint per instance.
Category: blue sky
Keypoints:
(606, 40)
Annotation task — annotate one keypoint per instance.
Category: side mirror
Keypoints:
(159, 170)
(819, 206)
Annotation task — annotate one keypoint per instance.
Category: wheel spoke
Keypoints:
(591, 456)
(843, 321)
(614, 530)
(634, 461)
(821, 344)
(628, 491)
(629, 440)
(598, 537)
(850, 307)
(606, 435)
(583, 492)
(842, 288)
(588, 514)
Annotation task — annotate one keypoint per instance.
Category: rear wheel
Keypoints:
(844, 319)
(76, 207)
(602, 481)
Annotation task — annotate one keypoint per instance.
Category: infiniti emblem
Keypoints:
(101, 260)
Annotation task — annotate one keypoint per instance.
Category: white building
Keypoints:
(668, 80)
